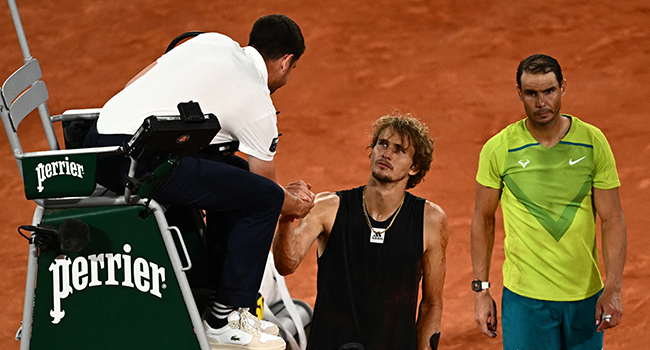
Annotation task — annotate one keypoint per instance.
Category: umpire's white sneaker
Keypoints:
(261, 325)
(238, 334)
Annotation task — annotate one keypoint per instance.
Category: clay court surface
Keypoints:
(450, 63)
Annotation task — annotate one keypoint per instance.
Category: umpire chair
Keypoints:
(109, 271)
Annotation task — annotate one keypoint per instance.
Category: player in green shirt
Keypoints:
(551, 172)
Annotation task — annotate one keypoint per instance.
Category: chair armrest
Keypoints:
(66, 152)
(77, 114)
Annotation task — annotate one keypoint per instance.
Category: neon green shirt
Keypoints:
(546, 200)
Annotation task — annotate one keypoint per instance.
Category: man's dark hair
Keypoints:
(539, 64)
(275, 36)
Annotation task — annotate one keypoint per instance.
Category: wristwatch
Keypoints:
(478, 285)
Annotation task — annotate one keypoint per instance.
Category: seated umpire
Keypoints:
(235, 84)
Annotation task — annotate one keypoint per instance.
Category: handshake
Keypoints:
(299, 200)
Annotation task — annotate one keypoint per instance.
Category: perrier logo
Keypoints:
(105, 269)
(57, 168)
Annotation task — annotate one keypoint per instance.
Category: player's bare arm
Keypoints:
(482, 243)
(434, 264)
(614, 245)
(297, 202)
(292, 243)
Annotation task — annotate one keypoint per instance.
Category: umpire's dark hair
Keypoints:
(539, 64)
(275, 36)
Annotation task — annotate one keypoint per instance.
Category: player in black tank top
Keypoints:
(376, 243)
(367, 291)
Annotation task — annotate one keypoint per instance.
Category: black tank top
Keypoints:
(368, 292)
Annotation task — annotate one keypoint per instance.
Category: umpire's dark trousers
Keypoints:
(251, 202)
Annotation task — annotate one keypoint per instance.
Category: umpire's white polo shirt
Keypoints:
(225, 79)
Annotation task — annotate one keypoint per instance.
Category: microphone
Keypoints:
(72, 236)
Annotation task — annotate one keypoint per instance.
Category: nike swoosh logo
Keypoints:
(573, 162)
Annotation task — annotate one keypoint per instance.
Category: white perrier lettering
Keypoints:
(56, 168)
(83, 272)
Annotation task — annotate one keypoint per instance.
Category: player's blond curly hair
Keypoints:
(417, 134)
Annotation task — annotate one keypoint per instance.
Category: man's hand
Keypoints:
(609, 309)
(301, 190)
(485, 313)
(303, 198)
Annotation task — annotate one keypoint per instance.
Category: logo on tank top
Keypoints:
(377, 235)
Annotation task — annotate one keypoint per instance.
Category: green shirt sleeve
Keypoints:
(492, 162)
(606, 175)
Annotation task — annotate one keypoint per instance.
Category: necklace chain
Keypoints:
(365, 212)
